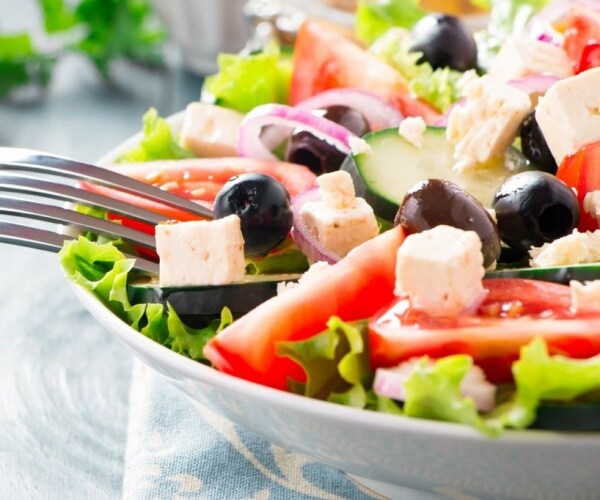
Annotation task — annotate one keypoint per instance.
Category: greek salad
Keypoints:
(406, 217)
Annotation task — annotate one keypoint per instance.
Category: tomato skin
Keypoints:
(326, 59)
(581, 36)
(494, 342)
(582, 172)
(354, 288)
(200, 179)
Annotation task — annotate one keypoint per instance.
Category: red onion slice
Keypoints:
(251, 145)
(378, 113)
(304, 239)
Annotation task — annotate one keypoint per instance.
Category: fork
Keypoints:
(34, 174)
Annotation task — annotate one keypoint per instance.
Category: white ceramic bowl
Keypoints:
(386, 452)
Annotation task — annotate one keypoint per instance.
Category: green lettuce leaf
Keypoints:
(437, 87)
(507, 17)
(375, 17)
(246, 81)
(433, 392)
(103, 270)
(541, 377)
(286, 258)
(157, 142)
(335, 361)
(190, 341)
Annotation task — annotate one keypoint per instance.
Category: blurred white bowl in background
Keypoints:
(203, 28)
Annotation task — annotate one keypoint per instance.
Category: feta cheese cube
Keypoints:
(585, 296)
(359, 146)
(487, 123)
(340, 229)
(575, 248)
(569, 114)
(440, 270)
(412, 129)
(337, 189)
(210, 131)
(520, 57)
(201, 252)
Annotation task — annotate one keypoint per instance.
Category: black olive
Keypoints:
(533, 208)
(264, 208)
(320, 156)
(347, 117)
(444, 42)
(534, 146)
(435, 202)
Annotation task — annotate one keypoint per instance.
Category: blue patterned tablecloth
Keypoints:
(180, 449)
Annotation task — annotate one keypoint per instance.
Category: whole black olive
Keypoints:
(304, 148)
(264, 208)
(534, 146)
(435, 202)
(444, 42)
(533, 208)
(318, 155)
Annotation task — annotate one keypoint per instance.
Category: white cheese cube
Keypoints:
(591, 204)
(574, 248)
(585, 296)
(201, 252)
(340, 230)
(569, 114)
(412, 129)
(209, 130)
(359, 146)
(337, 189)
(520, 57)
(440, 270)
(487, 123)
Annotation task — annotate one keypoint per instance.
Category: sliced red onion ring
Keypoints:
(304, 239)
(378, 113)
(251, 145)
(534, 85)
(389, 382)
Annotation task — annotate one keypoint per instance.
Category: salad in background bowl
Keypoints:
(399, 332)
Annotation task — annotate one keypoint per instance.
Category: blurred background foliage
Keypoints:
(103, 31)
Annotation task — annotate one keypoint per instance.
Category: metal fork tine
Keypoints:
(26, 159)
(51, 213)
(9, 182)
(31, 237)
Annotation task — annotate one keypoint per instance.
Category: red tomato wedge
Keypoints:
(325, 59)
(582, 172)
(200, 179)
(582, 36)
(514, 312)
(354, 288)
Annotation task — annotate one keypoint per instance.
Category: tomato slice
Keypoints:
(590, 58)
(582, 172)
(200, 179)
(325, 59)
(581, 37)
(514, 312)
(354, 288)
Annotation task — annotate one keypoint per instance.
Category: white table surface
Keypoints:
(63, 380)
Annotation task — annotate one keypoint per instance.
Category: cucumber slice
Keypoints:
(568, 417)
(196, 305)
(384, 175)
(558, 274)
